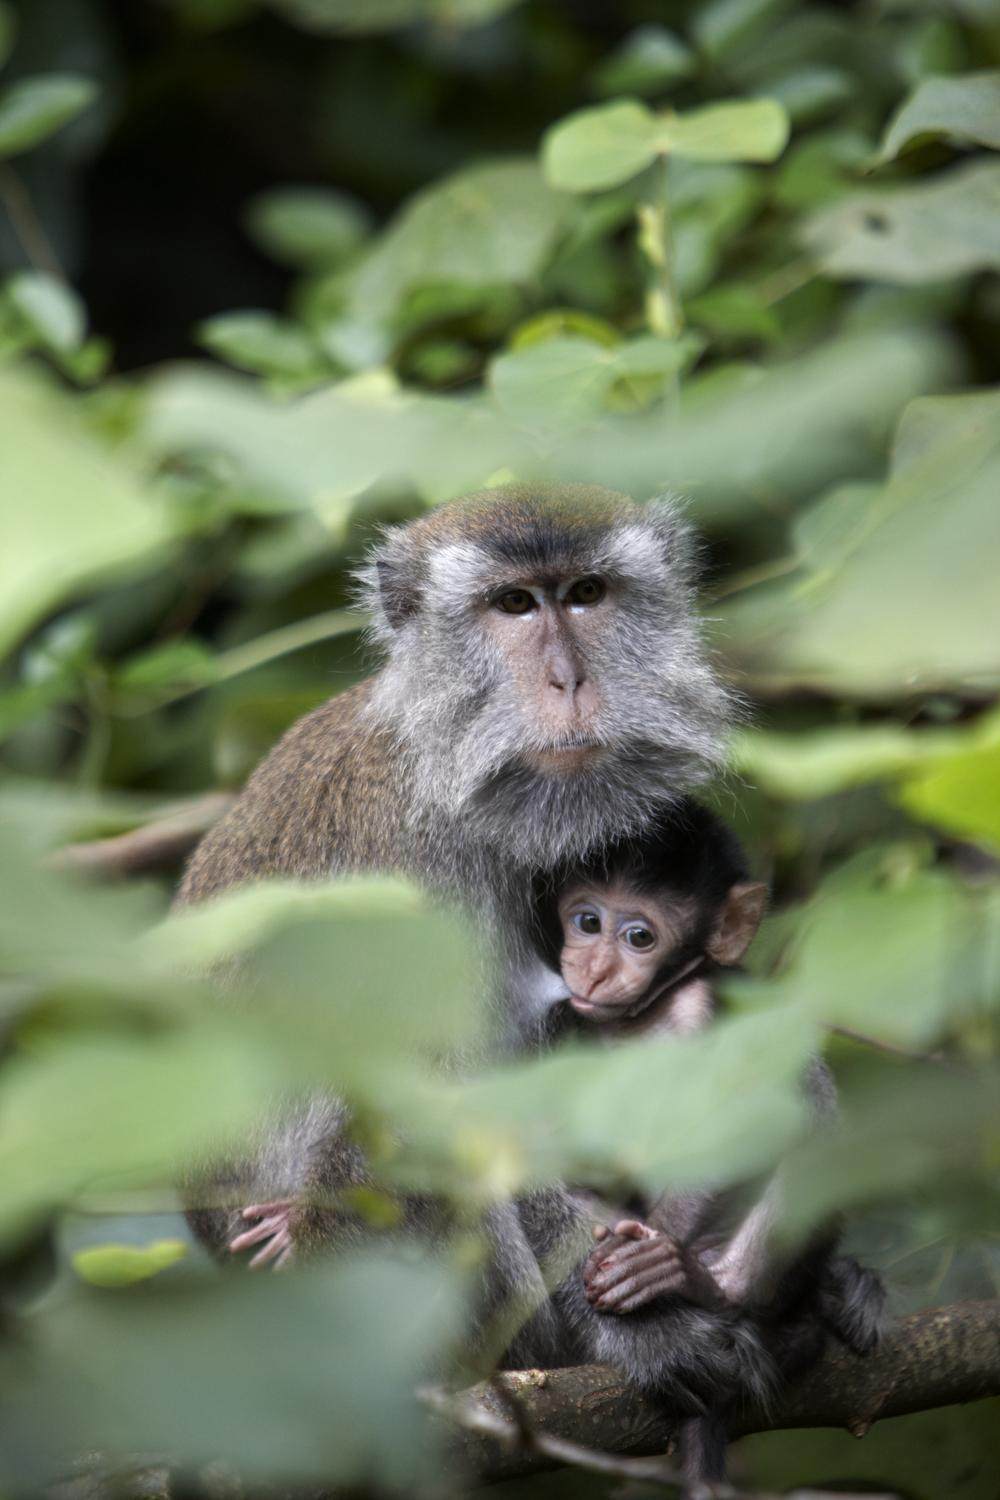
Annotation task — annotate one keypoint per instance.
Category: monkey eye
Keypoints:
(639, 937)
(587, 921)
(585, 591)
(515, 602)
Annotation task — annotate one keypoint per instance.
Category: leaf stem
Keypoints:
(26, 224)
(664, 313)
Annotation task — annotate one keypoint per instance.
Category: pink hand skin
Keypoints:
(631, 1267)
(273, 1229)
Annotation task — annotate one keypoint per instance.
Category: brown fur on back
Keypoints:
(298, 815)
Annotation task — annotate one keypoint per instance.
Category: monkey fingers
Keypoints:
(272, 1228)
(639, 1271)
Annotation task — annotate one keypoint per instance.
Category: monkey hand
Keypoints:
(272, 1232)
(635, 1264)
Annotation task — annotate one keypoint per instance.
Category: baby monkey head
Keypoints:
(544, 666)
(650, 911)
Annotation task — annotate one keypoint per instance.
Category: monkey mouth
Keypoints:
(593, 1010)
(568, 756)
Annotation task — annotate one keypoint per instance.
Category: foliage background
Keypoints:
(276, 272)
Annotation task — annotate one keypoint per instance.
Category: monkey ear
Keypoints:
(388, 584)
(398, 593)
(676, 536)
(737, 923)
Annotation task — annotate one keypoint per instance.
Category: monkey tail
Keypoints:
(702, 1449)
(852, 1303)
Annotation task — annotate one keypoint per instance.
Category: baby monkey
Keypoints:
(642, 930)
(707, 1307)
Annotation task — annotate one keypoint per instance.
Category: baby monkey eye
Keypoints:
(587, 921)
(515, 602)
(586, 591)
(639, 937)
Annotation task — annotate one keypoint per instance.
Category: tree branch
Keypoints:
(157, 845)
(937, 1358)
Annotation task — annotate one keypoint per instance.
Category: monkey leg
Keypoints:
(272, 1232)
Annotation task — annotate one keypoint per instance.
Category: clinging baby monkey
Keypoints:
(636, 932)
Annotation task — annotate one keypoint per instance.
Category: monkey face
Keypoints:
(544, 668)
(619, 948)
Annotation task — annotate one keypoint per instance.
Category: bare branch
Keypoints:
(157, 845)
(937, 1358)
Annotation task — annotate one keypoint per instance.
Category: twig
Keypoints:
(158, 845)
(27, 225)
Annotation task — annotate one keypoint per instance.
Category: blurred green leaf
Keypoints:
(80, 513)
(722, 27)
(568, 379)
(609, 144)
(261, 342)
(871, 616)
(601, 147)
(34, 108)
(124, 1265)
(362, 16)
(308, 227)
(744, 130)
(965, 110)
(949, 226)
(959, 793)
(178, 1369)
(486, 226)
(53, 312)
(648, 61)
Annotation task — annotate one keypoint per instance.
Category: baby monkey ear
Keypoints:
(737, 922)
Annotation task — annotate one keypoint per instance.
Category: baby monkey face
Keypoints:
(615, 942)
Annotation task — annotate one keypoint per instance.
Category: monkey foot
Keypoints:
(631, 1267)
(272, 1232)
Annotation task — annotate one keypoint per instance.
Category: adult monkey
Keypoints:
(544, 691)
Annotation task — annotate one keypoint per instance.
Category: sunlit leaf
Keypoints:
(744, 130)
(123, 1265)
(601, 147)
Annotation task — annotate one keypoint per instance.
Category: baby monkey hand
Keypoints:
(634, 1264)
(272, 1232)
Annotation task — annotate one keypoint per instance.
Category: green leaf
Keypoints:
(898, 962)
(34, 108)
(948, 226)
(261, 342)
(722, 27)
(744, 130)
(960, 794)
(304, 227)
(179, 663)
(486, 226)
(561, 321)
(734, 311)
(568, 379)
(81, 512)
(806, 766)
(124, 1265)
(648, 61)
(52, 310)
(965, 110)
(870, 616)
(601, 147)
